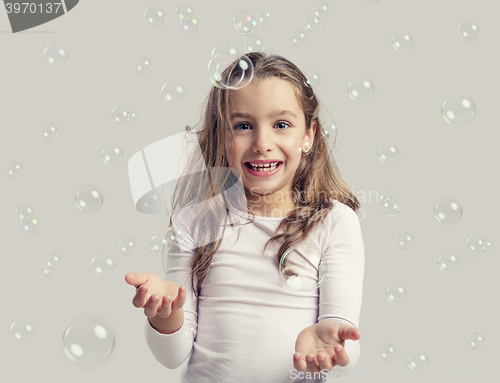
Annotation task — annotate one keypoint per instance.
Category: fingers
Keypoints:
(349, 332)
(341, 357)
(166, 308)
(308, 362)
(151, 308)
(324, 361)
(139, 299)
(180, 299)
(298, 362)
(136, 279)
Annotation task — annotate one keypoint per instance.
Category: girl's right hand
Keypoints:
(157, 295)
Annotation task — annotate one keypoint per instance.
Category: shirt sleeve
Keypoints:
(341, 292)
(171, 350)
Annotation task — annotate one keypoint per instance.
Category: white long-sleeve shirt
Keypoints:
(245, 329)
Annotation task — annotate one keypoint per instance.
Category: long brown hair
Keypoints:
(316, 182)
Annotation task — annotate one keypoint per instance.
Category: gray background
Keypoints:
(105, 38)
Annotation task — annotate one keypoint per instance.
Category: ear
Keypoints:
(310, 134)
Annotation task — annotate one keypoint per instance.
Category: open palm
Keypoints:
(321, 346)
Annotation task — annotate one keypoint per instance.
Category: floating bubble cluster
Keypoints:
(122, 116)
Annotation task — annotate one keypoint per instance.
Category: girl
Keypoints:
(236, 320)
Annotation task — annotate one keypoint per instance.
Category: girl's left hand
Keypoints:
(321, 346)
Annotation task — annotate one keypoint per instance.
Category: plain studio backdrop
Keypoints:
(105, 38)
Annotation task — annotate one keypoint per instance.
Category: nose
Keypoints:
(263, 141)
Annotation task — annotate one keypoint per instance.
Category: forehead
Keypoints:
(265, 94)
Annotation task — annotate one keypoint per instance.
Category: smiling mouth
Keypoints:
(262, 168)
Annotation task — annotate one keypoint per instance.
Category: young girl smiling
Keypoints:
(223, 303)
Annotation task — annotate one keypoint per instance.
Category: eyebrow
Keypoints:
(279, 112)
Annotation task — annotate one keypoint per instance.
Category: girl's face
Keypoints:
(268, 124)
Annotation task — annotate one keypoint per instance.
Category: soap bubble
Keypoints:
(402, 41)
(143, 65)
(303, 268)
(88, 341)
(405, 240)
(321, 9)
(173, 93)
(158, 244)
(240, 72)
(360, 88)
(122, 116)
(448, 261)
(298, 37)
(388, 153)
(254, 44)
(25, 212)
(469, 30)
(478, 245)
(190, 26)
(244, 22)
(396, 293)
(458, 109)
(448, 210)
(476, 341)
(312, 23)
(387, 352)
(417, 361)
(49, 131)
(112, 154)
(127, 246)
(88, 199)
(329, 130)
(184, 12)
(30, 225)
(22, 331)
(264, 17)
(56, 55)
(155, 16)
(150, 202)
(14, 169)
(52, 261)
(103, 265)
(389, 203)
(313, 79)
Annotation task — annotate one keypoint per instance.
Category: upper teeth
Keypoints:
(264, 165)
